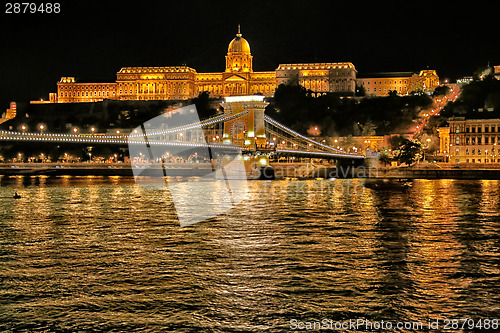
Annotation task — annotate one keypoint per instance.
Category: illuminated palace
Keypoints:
(182, 82)
(403, 83)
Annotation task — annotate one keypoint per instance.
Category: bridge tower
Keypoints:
(248, 131)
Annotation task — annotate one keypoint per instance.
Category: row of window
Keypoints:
(400, 89)
(473, 151)
(158, 91)
(479, 129)
(486, 160)
(478, 140)
(155, 69)
(146, 85)
(336, 73)
(87, 94)
(389, 82)
(281, 67)
(86, 87)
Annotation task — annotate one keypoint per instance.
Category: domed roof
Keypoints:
(238, 44)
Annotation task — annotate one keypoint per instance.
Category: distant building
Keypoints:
(182, 82)
(470, 140)
(465, 80)
(321, 78)
(10, 113)
(381, 84)
(496, 72)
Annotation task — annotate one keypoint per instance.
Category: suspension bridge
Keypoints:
(242, 127)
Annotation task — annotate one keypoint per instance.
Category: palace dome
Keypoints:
(238, 44)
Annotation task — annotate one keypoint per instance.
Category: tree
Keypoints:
(360, 91)
(441, 91)
(481, 73)
(203, 105)
(368, 128)
(396, 141)
(408, 152)
(474, 96)
(385, 158)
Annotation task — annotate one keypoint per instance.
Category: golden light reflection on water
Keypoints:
(103, 253)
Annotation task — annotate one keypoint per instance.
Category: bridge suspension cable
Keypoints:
(203, 123)
(297, 135)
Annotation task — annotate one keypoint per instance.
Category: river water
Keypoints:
(102, 254)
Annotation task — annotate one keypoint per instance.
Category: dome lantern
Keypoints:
(239, 58)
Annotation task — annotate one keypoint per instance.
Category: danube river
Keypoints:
(102, 254)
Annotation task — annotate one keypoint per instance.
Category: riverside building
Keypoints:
(470, 140)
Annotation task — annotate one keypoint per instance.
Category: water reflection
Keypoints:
(101, 253)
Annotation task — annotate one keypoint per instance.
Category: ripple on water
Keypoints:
(95, 254)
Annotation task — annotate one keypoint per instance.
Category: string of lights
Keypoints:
(109, 139)
(316, 153)
(292, 132)
(137, 139)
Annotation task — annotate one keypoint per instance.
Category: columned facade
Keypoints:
(471, 140)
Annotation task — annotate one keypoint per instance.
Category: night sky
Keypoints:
(92, 40)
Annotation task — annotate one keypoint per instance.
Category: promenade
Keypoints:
(282, 170)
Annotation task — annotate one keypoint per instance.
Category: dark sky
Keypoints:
(93, 39)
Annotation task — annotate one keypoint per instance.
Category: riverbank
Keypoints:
(89, 169)
(436, 173)
(281, 170)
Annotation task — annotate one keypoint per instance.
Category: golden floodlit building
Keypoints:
(470, 140)
(381, 84)
(182, 82)
(320, 78)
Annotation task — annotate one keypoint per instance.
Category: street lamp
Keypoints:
(23, 128)
(426, 147)
(75, 130)
(41, 127)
